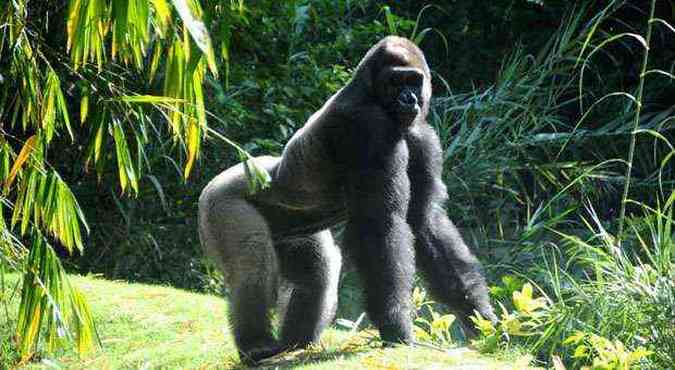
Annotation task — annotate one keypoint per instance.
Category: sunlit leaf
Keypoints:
(127, 174)
(389, 18)
(149, 99)
(190, 12)
(525, 303)
(163, 13)
(484, 326)
(84, 107)
(193, 143)
(25, 152)
(48, 297)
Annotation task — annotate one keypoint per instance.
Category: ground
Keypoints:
(150, 327)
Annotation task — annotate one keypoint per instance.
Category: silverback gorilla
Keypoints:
(367, 157)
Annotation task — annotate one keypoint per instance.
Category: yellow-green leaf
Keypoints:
(190, 13)
(163, 13)
(524, 302)
(193, 141)
(25, 152)
(84, 107)
(149, 99)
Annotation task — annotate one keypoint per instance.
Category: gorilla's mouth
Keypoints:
(408, 108)
(407, 104)
(406, 113)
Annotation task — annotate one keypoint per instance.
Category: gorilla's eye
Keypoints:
(406, 76)
(414, 79)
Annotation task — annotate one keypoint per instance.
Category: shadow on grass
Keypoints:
(294, 359)
(313, 355)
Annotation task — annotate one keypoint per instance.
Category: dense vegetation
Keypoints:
(556, 118)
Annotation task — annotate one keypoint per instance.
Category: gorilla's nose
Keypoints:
(407, 98)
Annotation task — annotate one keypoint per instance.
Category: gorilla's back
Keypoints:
(290, 211)
(293, 209)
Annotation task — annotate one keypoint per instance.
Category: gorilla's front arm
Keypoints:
(377, 235)
(453, 273)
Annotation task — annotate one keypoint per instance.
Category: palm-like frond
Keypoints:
(107, 63)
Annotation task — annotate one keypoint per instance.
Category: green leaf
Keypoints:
(524, 303)
(149, 99)
(48, 298)
(126, 170)
(575, 338)
(163, 13)
(84, 107)
(160, 192)
(389, 18)
(190, 13)
(26, 150)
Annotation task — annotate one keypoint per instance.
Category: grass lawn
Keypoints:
(150, 327)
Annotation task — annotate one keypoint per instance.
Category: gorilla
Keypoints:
(368, 158)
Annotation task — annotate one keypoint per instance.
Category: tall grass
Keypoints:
(532, 145)
(598, 289)
(503, 140)
(546, 156)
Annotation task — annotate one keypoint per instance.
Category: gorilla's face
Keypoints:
(400, 91)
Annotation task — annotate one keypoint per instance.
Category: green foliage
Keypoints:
(531, 318)
(48, 299)
(431, 326)
(609, 307)
(603, 353)
(96, 63)
(535, 106)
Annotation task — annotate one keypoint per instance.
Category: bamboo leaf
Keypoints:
(160, 192)
(156, 55)
(149, 99)
(190, 13)
(48, 297)
(193, 143)
(63, 108)
(127, 173)
(26, 150)
(163, 13)
(84, 106)
(119, 32)
(197, 78)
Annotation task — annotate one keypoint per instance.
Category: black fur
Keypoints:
(369, 158)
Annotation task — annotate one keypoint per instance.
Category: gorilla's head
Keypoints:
(397, 75)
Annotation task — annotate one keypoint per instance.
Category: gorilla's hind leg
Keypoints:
(249, 315)
(311, 264)
(236, 236)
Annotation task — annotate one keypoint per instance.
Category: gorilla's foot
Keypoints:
(394, 334)
(298, 343)
(388, 344)
(254, 354)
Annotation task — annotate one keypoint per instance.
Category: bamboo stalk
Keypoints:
(636, 123)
